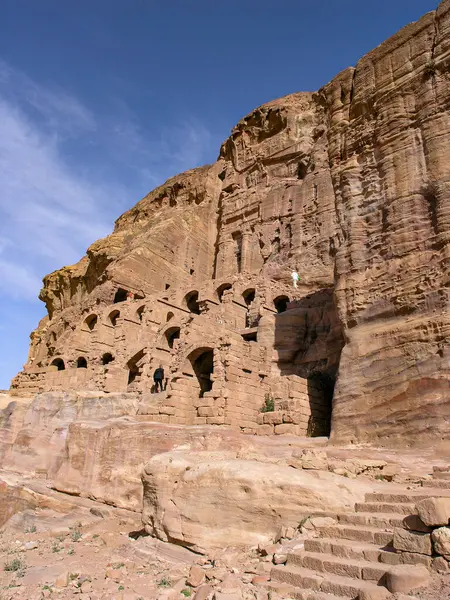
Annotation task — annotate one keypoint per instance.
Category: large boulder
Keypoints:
(434, 511)
(210, 500)
(441, 541)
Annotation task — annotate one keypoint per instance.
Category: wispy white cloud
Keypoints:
(66, 173)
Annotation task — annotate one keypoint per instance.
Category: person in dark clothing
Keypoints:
(158, 378)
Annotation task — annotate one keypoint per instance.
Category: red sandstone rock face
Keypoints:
(350, 186)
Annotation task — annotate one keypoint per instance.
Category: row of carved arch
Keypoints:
(81, 362)
(92, 320)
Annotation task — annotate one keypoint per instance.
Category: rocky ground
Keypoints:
(90, 557)
(102, 555)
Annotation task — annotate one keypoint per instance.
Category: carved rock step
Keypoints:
(344, 567)
(381, 520)
(372, 535)
(352, 550)
(289, 591)
(438, 484)
(327, 583)
(386, 508)
(407, 497)
(442, 475)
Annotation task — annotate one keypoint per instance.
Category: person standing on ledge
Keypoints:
(295, 277)
(158, 378)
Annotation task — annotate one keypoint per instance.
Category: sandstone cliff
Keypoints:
(349, 185)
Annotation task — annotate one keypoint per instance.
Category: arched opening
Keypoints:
(221, 289)
(191, 301)
(135, 365)
(113, 317)
(53, 337)
(91, 322)
(320, 392)
(281, 303)
(172, 334)
(140, 312)
(107, 358)
(81, 363)
(120, 295)
(169, 316)
(249, 296)
(202, 362)
(59, 363)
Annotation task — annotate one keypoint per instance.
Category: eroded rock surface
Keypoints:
(350, 186)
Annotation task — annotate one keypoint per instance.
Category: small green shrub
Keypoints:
(164, 582)
(56, 547)
(187, 592)
(15, 565)
(76, 535)
(31, 529)
(120, 588)
(269, 404)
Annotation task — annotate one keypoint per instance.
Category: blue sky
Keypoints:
(102, 100)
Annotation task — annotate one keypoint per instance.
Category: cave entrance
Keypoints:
(202, 361)
(320, 394)
(280, 303)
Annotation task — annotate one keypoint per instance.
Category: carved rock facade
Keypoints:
(350, 186)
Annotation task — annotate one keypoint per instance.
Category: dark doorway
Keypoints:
(249, 296)
(222, 288)
(172, 334)
(113, 317)
(170, 315)
(58, 362)
(107, 358)
(91, 322)
(202, 361)
(320, 393)
(251, 336)
(281, 303)
(191, 301)
(81, 363)
(120, 295)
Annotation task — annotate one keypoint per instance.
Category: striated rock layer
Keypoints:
(351, 187)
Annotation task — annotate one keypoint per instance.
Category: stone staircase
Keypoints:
(355, 554)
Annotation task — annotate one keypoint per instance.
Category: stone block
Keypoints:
(412, 541)
(415, 523)
(286, 429)
(196, 576)
(273, 418)
(441, 541)
(405, 578)
(434, 511)
(412, 558)
(215, 420)
(264, 430)
(167, 410)
(203, 592)
(440, 565)
(207, 411)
